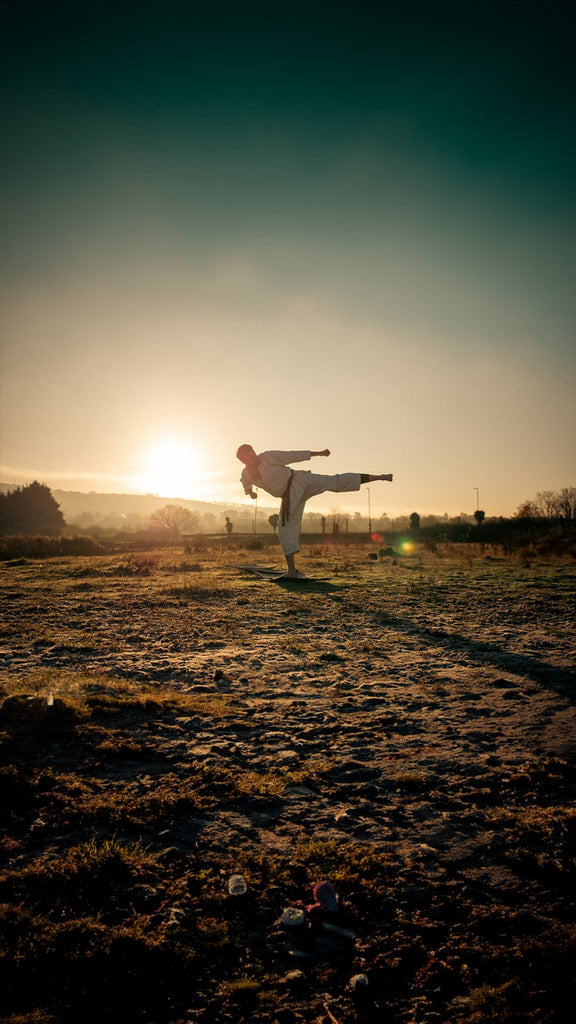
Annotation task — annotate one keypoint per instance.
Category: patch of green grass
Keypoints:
(75, 804)
(110, 970)
(243, 989)
(527, 979)
(87, 691)
(410, 781)
(206, 592)
(121, 748)
(83, 877)
(133, 567)
(540, 840)
(345, 862)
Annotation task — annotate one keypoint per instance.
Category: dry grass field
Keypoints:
(403, 728)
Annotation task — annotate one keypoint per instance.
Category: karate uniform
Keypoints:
(294, 487)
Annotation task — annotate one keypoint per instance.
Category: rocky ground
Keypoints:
(403, 728)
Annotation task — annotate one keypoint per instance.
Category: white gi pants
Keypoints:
(305, 485)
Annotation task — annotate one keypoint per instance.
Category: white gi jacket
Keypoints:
(274, 472)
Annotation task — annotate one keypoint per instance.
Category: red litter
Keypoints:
(325, 897)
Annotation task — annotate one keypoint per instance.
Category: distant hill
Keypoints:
(133, 510)
(83, 509)
(74, 503)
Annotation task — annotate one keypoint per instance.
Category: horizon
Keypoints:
(266, 501)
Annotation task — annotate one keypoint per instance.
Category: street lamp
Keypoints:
(477, 497)
(369, 515)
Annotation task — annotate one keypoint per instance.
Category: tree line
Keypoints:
(33, 510)
(550, 505)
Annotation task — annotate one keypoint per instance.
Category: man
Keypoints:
(270, 471)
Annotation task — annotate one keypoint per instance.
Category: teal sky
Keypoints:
(343, 224)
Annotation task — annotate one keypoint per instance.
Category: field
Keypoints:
(402, 727)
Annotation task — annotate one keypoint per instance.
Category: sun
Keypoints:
(170, 469)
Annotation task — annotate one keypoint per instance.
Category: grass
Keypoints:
(541, 841)
(119, 790)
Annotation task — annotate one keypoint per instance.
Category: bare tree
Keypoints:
(174, 520)
(567, 502)
(547, 503)
(526, 510)
(550, 504)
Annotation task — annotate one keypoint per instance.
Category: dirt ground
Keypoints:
(402, 727)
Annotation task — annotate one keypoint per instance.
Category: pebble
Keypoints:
(293, 917)
(294, 978)
(236, 885)
(358, 981)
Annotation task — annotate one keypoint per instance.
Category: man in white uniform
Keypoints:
(270, 471)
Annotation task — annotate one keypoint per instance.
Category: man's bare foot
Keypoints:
(294, 575)
(292, 572)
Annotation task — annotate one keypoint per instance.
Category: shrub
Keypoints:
(42, 546)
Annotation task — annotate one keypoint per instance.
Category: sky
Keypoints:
(340, 223)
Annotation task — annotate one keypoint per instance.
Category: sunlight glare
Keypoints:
(170, 470)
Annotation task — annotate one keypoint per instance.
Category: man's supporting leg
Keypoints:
(290, 563)
(289, 532)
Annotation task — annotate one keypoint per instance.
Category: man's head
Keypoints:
(246, 454)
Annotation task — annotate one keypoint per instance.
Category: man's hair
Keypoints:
(244, 452)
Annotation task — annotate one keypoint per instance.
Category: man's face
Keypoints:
(246, 453)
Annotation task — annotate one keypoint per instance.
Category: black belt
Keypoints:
(285, 506)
